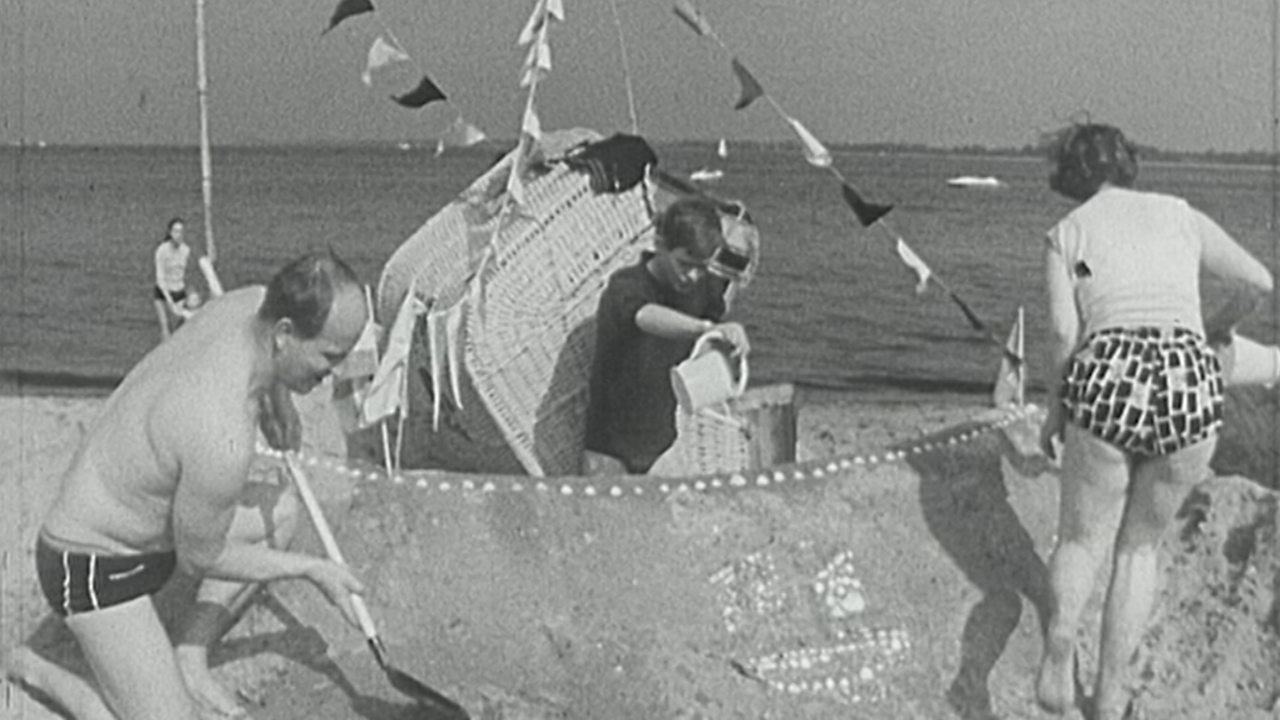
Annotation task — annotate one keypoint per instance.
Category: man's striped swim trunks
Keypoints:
(1145, 390)
(77, 582)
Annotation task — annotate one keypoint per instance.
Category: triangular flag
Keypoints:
(346, 9)
(386, 392)
(751, 88)
(436, 350)
(453, 343)
(914, 262)
(381, 53)
(691, 17)
(537, 64)
(460, 134)
(515, 186)
(866, 212)
(537, 18)
(362, 361)
(1010, 385)
(531, 125)
(425, 93)
(815, 152)
(351, 377)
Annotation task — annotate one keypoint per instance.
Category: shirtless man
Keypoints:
(161, 482)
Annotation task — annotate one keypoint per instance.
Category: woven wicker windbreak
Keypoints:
(529, 333)
(528, 283)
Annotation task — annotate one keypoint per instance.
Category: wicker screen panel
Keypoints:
(530, 348)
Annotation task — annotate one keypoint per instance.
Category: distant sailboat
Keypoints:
(975, 181)
(722, 149)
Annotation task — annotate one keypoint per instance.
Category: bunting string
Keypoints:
(816, 154)
(387, 50)
(626, 70)
(537, 65)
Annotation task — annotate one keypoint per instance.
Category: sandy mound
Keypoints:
(910, 586)
(880, 584)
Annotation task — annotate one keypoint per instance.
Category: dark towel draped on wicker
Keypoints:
(614, 164)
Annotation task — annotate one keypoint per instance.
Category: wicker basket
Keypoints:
(755, 430)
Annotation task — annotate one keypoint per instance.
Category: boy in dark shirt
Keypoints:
(650, 315)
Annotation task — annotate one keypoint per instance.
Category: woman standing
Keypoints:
(1135, 390)
(170, 294)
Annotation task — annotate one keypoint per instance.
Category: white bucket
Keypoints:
(1248, 362)
(708, 378)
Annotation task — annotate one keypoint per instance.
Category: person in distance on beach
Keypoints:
(161, 482)
(1136, 390)
(171, 258)
(650, 315)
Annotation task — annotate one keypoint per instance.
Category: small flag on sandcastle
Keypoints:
(1010, 387)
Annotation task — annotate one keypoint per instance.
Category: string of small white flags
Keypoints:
(816, 154)
(385, 51)
(536, 67)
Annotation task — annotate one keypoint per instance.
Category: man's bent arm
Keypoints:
(214, 474)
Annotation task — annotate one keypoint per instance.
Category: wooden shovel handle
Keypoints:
(326, 539)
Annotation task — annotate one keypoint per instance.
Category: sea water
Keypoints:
(833, 306)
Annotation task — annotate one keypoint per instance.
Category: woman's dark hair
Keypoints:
(1087, 155)
(693, 224)
(168, 229)
(303, 292)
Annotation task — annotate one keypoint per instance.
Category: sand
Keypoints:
(898, 571)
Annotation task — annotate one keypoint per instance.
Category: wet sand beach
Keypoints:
(896, 571)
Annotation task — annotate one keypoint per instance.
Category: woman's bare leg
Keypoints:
(1160, 486)
(1094, 479)
(162, 315)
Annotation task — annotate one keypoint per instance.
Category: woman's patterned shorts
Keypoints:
(1145, 390)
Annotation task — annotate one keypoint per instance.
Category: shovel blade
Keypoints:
(435, 705)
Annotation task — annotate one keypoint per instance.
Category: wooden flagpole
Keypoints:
(206, 160)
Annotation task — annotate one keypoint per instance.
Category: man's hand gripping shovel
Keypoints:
(436, 706)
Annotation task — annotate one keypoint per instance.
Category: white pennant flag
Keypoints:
(914, 262)
(460, 134)
(390, 384)
(453, 343)
(534, 24)
(381, 53)
(531, 125)
(515, 186)
(435, 349)
(814, 151)
(537, 63)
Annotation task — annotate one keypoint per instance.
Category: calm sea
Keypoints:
(832, 306)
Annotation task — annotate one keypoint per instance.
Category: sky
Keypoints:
(1191, 75)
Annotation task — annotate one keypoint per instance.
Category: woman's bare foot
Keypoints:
(210, 696)
(1055, 685)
